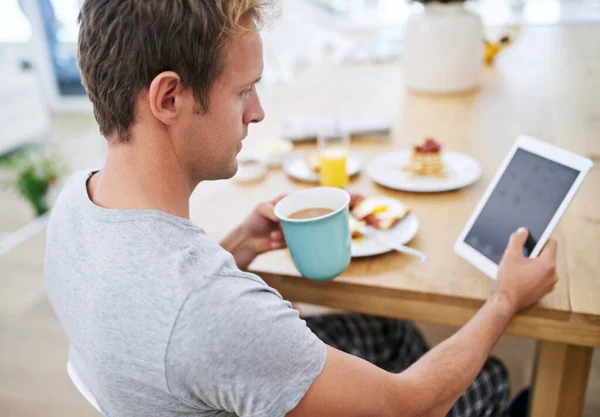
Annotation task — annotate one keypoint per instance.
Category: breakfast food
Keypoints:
(355, 228)
(379, 212)
(426, 160)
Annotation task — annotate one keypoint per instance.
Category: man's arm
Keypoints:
(241, 246)
(259, 233)
(350, 386)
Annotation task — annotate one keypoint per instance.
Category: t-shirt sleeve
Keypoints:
(238, 346)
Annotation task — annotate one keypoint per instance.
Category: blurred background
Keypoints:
(44, 106)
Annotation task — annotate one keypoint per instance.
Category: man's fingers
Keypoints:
(268, 211)
(278, 199)
(267, 244)
(277, 236)
(278, 240)
(517, 240)
(277, 245)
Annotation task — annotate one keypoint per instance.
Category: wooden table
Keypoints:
(547, 85)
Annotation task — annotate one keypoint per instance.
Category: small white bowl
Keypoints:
(250, 168)
(275, 151)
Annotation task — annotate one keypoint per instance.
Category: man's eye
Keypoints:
(247, 91)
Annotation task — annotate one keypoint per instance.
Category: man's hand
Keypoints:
(259, 233)
(349, 386)
(523, 281)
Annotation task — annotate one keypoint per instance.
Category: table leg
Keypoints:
(561, 379)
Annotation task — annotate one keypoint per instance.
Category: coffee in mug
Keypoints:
(310, 213)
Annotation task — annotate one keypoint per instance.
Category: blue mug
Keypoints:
(320, 246)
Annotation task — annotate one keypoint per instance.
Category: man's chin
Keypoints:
(234, 171)
(223, 171)
(231, 171)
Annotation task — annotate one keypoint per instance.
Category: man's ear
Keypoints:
(164, 96)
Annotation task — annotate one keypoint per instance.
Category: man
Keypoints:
(162, 320)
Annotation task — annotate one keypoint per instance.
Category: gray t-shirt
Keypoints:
(161, 321)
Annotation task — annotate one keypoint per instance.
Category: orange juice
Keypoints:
(333, 167)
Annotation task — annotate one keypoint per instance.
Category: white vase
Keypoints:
(444, 49)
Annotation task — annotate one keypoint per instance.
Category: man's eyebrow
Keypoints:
(257, 80)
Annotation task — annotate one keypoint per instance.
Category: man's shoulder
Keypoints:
(70, 197)
(145, 248)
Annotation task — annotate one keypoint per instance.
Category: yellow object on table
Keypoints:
(493, 48)
(333, 171)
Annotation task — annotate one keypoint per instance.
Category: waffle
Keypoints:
(426, 160)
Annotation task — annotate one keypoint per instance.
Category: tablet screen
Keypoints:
(528, 194)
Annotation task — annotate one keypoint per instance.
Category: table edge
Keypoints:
(536, 322)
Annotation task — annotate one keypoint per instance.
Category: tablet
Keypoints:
(532, 188)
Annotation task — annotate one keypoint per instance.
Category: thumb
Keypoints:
(268, 211)
(517, 241)
(278, 199)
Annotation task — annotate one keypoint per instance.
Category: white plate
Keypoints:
(296, 166)
(387, 170)
(403, 232)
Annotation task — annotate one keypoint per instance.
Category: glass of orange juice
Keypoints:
(333, 143)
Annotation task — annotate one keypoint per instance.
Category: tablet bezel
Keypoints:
(545, 150)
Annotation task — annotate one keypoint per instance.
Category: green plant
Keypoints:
(30, 172)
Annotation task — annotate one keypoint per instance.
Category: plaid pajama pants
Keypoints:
(396, 344)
